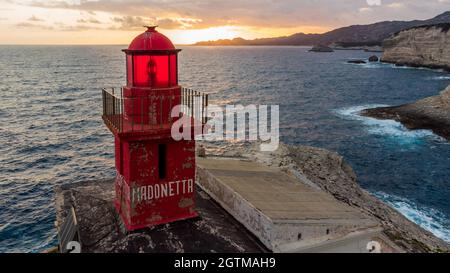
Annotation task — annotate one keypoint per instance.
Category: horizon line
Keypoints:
(79, 44)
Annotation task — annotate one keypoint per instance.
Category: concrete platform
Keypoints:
(243, 207)
(285, 214)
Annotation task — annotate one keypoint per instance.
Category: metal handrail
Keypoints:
(145, 113)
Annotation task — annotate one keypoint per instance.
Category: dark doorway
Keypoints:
(162, 161)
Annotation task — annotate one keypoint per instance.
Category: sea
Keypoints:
(51, 131)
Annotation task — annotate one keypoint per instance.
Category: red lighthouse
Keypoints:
(155, 180)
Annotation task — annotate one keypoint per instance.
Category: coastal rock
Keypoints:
(374, 49)
(373, 59)
(425, 46)
(356, 62)
(431, 113)
(445, 97)
(321, 48)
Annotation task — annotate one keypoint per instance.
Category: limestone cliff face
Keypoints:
(427, 46)
(445, 97)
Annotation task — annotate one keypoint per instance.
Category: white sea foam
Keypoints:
(441, 78)
(3, 227)
(389, 128)
(377, 65)
(389, 65)
(428, 218)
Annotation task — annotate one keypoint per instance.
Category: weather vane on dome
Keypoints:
(151, 25)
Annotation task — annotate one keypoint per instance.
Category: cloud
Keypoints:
(58, 26)
(89, 21)
(374, 2)
(131, 22)
(168, 23)
(33, 18)
(396, 5)
(76, 28)
(210, 13)
(365, 9)
(33, 25)
(200, 14)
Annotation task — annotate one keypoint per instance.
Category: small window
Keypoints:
(162, 160)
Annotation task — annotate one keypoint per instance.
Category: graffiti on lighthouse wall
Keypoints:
(147, 193)
(158, 191)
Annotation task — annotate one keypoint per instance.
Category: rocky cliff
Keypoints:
(425, 46)
(431, 113)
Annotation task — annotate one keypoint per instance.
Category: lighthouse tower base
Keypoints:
(155, 182)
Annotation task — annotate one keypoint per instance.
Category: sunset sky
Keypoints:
(189, 21)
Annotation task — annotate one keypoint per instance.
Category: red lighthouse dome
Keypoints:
(152, 61)
(151, 40)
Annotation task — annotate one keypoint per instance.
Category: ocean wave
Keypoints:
(440, 78)
(389, 65)
(376, 65)
(428, 218)
(390, 128)
(46, 244)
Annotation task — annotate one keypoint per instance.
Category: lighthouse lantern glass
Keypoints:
(152, 71)
(173, 70)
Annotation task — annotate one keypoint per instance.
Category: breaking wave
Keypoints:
(389, 65)
(428, 218)
(441, 78)
(389, 128)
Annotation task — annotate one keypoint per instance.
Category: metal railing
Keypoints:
(125, 113)
(194, 104)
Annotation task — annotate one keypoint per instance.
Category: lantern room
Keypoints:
(152, 61)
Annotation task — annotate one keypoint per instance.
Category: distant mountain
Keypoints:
(356, 35)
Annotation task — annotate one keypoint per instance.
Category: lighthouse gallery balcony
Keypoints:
(124, 114)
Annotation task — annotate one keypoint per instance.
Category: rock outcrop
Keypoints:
(321, 48)
(431, 113)
(356, 62)
(425, 46)
(373, 59)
